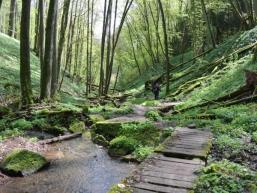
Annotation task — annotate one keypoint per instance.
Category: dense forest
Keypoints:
(125, 96)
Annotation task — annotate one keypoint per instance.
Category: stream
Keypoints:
(85, 168)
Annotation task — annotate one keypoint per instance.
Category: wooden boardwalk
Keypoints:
(172, 169)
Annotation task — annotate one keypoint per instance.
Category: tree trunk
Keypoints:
(209, 23)
(166, 46)
(46, 72)
(1, 1)
(54, 83)
(11, 28)
(64, 22)
(25, 74)
(41, 38)
(37, 21)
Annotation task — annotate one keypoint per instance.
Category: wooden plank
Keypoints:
(179, 171)
(169, 176)
(173, 164)
(191, 146)
(60, 138)
(159, 189)
(183, 153)
(171, 159)
(167, 182)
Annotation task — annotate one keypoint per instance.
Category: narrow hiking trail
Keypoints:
(172, 169)
(139, 112)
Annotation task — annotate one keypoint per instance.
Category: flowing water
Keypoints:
(85, 168)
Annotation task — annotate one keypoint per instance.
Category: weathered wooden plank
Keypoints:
(184, 153)
(172, 159)
(167, 182)
(160, 189)
(172, 164)
(179, 171)
(169, 176)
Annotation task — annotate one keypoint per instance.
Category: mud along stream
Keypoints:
(85, 168)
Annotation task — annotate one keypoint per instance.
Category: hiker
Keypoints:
(156, 90)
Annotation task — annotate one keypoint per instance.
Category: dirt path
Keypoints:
(139, 112)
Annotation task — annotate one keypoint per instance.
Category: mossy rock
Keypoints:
(96, 118)
(107, 129)
(77, 127)
(4, 111)
(100, 140)
(122, 146)
(21, 162)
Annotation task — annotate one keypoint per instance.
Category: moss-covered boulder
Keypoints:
(122, 146)
(107, 129)
(96, 118)
(77, 127)
(100, 140)
(21, 162)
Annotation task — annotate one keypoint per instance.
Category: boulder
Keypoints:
(21, 162)
(100, 140)
(107, 129)
(121, 146)
(77, 127)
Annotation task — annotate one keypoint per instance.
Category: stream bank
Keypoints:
(85, 168)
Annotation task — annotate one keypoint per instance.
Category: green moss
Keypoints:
(122, 146)
(100, 140)
(21, 124)
(96, 118)
(23, 162)
(107, 129)
(142, 152)
(77, 127)
(153, 116)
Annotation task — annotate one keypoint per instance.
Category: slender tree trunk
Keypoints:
(91, 45)
(11, 29)
(37, 21)
(116, 79)
(25, 74)
(54, 81)
(167, 59)
(41, 38)
(209, 23)
(1, 1)
(88, 57)
(101, 82)
(46, 73)
(64, 22)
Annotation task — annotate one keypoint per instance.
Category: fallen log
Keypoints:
(60, 138)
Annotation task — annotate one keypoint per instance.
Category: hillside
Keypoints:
(9, 74)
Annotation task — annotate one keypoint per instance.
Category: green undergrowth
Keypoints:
(54, 119)
(226, 177)
(234, 130)
(10, 75)
(137, 139)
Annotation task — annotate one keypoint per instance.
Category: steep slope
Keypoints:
(9, 73)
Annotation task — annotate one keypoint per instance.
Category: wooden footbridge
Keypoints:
(172, 169)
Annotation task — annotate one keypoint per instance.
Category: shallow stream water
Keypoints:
(85, 168)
